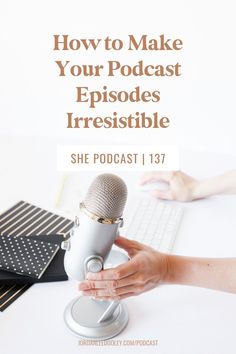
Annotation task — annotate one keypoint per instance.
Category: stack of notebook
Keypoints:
(42, 228)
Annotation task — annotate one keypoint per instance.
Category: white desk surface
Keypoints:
(183, 319)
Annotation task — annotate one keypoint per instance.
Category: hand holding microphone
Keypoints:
(90, 248)
(146, 270)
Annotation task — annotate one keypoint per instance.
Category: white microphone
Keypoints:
(87, 251)
(99, 222)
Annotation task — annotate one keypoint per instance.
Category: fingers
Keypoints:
(156, 176)
(110, 284)
(132, 247)
(162, 194)
(114, 293)
(119, 272)
(117, 298)
(98, 284)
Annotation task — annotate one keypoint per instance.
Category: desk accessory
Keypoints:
(26, 219)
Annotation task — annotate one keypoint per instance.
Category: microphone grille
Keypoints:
(106, 196)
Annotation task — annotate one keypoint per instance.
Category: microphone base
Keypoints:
(82, 314)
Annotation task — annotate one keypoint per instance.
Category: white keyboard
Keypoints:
(152, 222)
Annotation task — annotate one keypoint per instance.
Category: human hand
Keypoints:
(181, 186)
(145, 270)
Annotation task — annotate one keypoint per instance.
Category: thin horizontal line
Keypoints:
(58, 217)
(50, 231)
(64, 227)
(13, 295)
(6, 292)
(38, 226)
(13, 211)
(27, 220)
(17, 216)
(28, 227)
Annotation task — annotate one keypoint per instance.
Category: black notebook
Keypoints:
(25, 256)
(54, 272)
(25, 219)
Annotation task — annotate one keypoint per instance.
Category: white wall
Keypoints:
(201, 103)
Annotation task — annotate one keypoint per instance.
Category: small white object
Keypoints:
(65, 245)
(94, 265)
(148, 187)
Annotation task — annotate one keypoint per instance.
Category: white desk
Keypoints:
(183, 319)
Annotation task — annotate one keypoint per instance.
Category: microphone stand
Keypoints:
(109, 311)
(93, 319)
